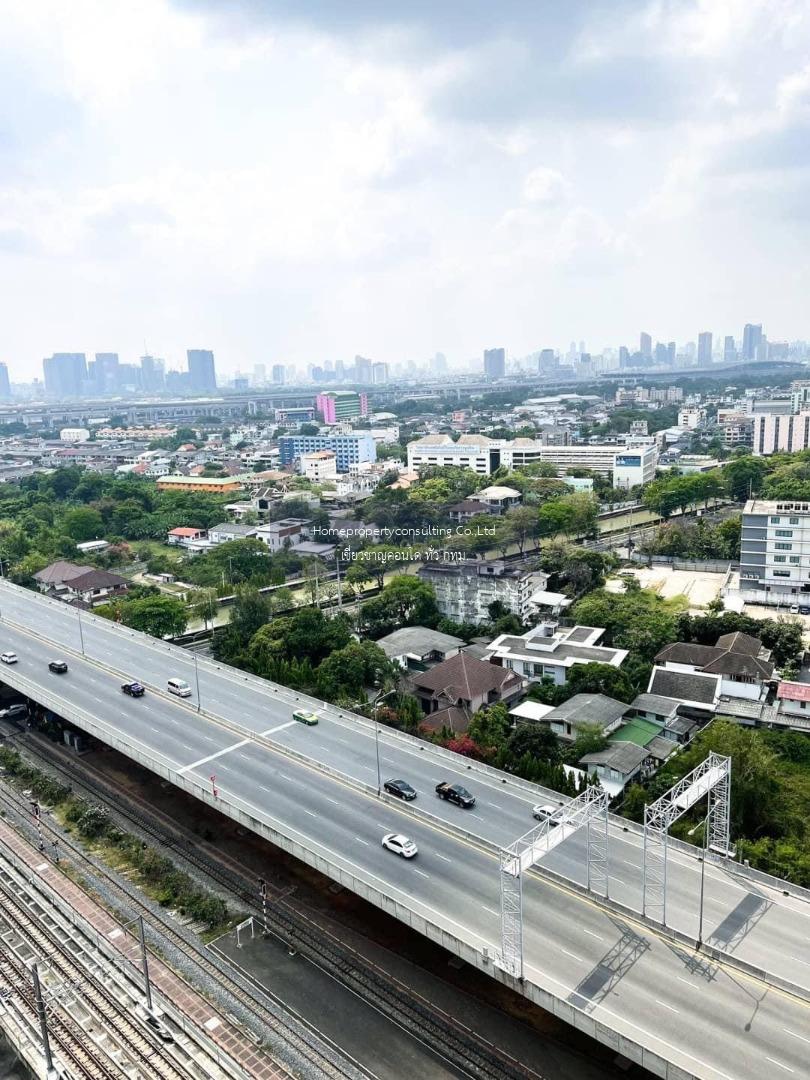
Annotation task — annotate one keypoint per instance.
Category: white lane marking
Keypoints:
(665, 1006)
(421, 873)
(796, 1035)
(330, 799)
(572, 955)
(688, 982)
(592, 934)
(310, 812)
(635, 865)
(278, 727)
(781, 1064)
(617, 880)
(492, 911)
(360, 840)
(211, 757)
(439, 855)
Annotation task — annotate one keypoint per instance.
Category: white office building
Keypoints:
(775, 552)
(775, 433)
(634, 466)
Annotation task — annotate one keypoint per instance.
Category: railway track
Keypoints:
(149, 1057)
(328, 1066)
(469, 1053)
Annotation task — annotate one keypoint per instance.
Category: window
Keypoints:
(781, 573)
(781, 558)
(774, 521)
(795, 559)
(784, 532)
(783, 547)
(793, 521)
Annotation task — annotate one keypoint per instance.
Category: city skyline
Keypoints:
(291, 186)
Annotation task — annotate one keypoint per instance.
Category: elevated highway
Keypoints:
(313, 792)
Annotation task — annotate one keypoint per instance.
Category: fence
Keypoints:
(709, 566)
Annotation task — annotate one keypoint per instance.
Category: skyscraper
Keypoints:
(752, 336)
(5, 385)
(645, 345)
(672, 352)
(363, 368)
(705, 347)
(729, 350)
(153, 373)
(277, 374)
(65, 374)
(379, 373)
(202, 375)
(661, 354)
(106, 372)
(494, 363)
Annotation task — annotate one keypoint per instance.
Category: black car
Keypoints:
(134, 689)
(455, 793)
(58, 667)
(401, 788)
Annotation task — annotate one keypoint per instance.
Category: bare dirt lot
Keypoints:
(698, 586)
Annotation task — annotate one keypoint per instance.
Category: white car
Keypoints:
(544, 812)
(400, 845)
(8, 657)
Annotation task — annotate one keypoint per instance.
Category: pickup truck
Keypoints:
(455, 793)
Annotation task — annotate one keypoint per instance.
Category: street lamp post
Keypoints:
(81, 632)
(704, 823)
(197, 680)
(377, 700)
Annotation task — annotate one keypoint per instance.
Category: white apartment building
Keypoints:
(548, 651)
(775, 552)
(483, 455)
(775, 432)
(320, 466)
(465, 589)
(691, 418)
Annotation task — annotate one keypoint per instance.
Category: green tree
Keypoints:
(490, 727)
(404, 601)
(83, 524)
(160, 616)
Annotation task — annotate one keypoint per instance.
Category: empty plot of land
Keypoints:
(698, 586)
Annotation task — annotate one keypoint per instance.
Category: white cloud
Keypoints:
(546, 186)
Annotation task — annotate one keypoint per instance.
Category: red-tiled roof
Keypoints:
(793, 691)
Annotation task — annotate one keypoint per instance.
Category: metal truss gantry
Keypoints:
(712, 780)
(589, 810)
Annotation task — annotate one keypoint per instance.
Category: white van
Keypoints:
(179, 687)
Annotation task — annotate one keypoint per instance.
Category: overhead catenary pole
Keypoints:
(43, 1019)
(147, 986)
(81, 631)
(197, 680)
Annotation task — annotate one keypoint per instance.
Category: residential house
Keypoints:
(53, 577)
(616, 765)
(584, 712)
(231, 530)
(548, 651)
(95, 587)
(288, 532)
(794, 705)
(184, 536)
(453, 691)
(419, 648)
(464, 511)
(740, 660)
(499, 499)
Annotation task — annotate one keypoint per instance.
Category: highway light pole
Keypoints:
(81, 632)
(379, 698)
(197, 680)
(705, 824)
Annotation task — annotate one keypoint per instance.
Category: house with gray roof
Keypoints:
(616, 765)
(583, 712)
(418, 647)
(740, 661)
(549, 651)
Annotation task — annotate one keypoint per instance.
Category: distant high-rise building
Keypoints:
(729, 350)
(645, 345)
(438, 364)
(761, 354)
(336, 405)
(340, 370)
(202, 374)
(547, 363)
(5, 385)
(363, 368)
(752, 336)
(106, 372)
(661, 354)
(624, 356)
(494, 363)
(65, 374)
(705, 347)
(128, 376)
(379, 373)
(277, 374)
(259, 375)
(153, 373)
(672, 351)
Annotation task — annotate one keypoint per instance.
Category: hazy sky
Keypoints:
(296, 182)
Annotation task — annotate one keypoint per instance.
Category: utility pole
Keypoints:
(197, 680)
(147, 986)
(43, 1020)
(81, 632)
(263, 894)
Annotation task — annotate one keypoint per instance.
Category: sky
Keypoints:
(286, 181)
